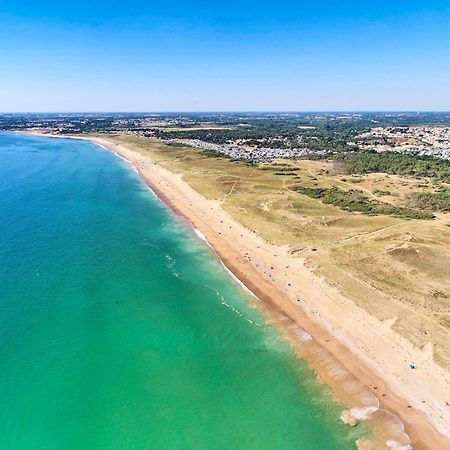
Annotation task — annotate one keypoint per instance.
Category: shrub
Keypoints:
(355, 201)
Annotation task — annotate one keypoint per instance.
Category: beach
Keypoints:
(121, 328)
(361, 357)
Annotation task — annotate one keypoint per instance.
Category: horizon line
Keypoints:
(337, 111)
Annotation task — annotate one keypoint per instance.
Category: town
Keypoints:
(234, 151)
(416, 140)
(260, 137)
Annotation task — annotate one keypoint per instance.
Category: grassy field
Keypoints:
(393, 267)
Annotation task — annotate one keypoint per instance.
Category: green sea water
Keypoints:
(120, 330)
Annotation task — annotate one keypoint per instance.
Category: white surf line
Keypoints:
(230, 272)
(154, 193)
(238, 281)
(362, 413)
(199, 234)
(130, 164)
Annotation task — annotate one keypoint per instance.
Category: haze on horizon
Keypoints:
(249, 56)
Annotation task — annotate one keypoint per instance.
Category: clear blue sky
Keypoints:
(108, 55)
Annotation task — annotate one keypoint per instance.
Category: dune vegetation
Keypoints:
(393, 265)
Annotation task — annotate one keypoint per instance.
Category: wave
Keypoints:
(302, 334)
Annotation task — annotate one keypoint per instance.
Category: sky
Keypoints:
(171, 55)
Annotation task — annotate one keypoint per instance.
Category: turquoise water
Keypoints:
(120, 330)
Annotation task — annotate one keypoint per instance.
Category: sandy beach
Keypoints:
(362, 358)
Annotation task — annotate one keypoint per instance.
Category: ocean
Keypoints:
(119, 329)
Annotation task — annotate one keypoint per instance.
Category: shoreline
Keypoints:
(353, 381)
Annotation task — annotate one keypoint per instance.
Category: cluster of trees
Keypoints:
(275, 133)
(395, 163)
(216, 136)
(432, 201)
(355, 201)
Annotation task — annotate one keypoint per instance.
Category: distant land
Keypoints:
(261, 136)
(338, 222)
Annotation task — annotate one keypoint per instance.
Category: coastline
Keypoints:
(354, 378)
